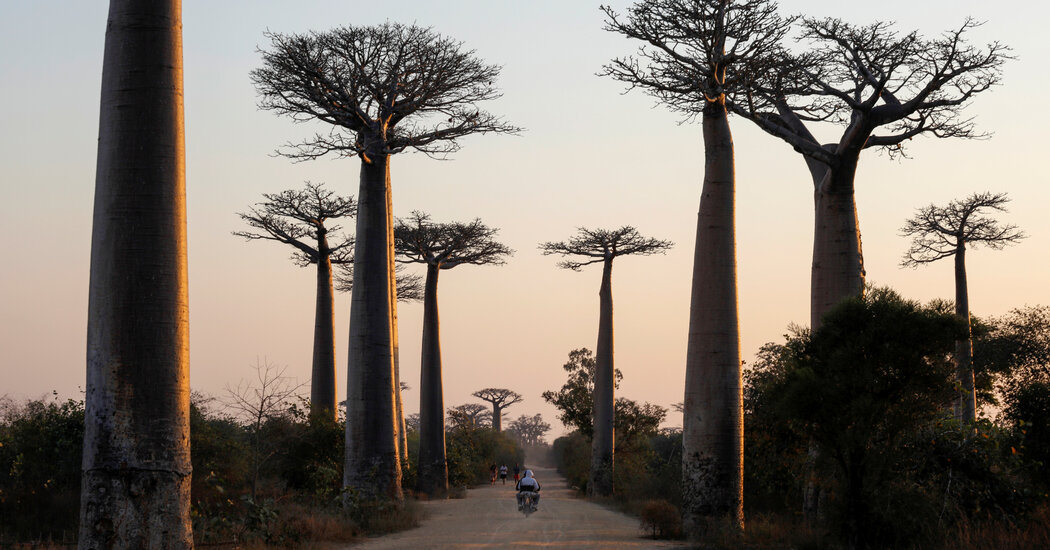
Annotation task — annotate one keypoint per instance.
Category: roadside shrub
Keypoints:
(41, 444)
(662, 519)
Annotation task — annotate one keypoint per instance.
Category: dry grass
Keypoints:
(1033, 534)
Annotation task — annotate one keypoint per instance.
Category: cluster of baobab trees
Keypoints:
(392, 88)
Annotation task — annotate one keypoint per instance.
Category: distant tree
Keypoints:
(298, 218)
(529, 429)
(440, 246)
(945, 232)
(470, 414)
(883, 89)
(695, 54)
(385, 89)
(137, 398)
(603, 246)
(500, 399)
(875, 371)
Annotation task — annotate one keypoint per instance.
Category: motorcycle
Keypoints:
(528, 502)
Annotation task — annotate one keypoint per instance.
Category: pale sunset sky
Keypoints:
(590, 156)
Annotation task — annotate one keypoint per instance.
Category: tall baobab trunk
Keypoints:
(713, 428)
(433, 470)
(399, 410)
(966, 407)
(373, 466)
(603, 444)
(322, 384)
(838, 264)
(136, 465)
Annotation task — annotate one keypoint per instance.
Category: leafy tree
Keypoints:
(946, 232)
(575, 399)
(695, 54)
(440, 246)
(138, 396)
(298, 218)
(469, 414)
(384, 89)
(500, 399)
(882, 88)
(603, 246)
(875, 370)
(529, 429)
(40, 454)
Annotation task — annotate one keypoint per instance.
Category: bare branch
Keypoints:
(409, 285)
(447, 245)
(941, 232)
(383, 88)
(599, 245)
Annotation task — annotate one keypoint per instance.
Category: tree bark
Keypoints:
(322, 381)
(966, 407)
(433, 470)
(136, 463)
(713, 459)
(373, 466)
(497, 417)
(604, 441)
(838, 264)
(399, 410)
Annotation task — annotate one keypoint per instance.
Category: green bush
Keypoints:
(41, 444)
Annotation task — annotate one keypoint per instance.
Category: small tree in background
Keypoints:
(500, 399)
(469, 414)
(575, 399)
(942, 232)
(440, 247)
(298, 218)
(529, 429)
(603, 246)
(384, 89)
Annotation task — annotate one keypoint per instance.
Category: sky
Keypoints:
(590, 156)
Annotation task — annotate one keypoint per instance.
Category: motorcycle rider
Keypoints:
(526, 484)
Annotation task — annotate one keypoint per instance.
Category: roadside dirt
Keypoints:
(488, 518)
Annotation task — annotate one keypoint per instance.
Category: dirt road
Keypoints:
(488, 518)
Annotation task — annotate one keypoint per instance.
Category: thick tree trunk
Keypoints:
(373, 466)
(399, 410)
(136, 464)
(497, 417)
(604, 441)
(966, 406)
(838, 264)
(433, 470)
(322, 381)
(713, 431)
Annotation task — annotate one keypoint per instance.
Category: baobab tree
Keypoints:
(603, 246)
(298, 218)
(473, 415)
(135, 488)
(883, 89)
(944, 232)
(383, 89)
(529, 430)
(500, 399)
(409, 288)
(440, 246)
(695, 53)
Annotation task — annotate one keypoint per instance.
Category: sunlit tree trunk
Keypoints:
(136, 463)
(713, 430)
(399, 411)
(433, 470)
(373, 466)
(966, 408)
(322, 383)
(604, 442)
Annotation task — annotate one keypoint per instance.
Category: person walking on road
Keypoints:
(503, 473)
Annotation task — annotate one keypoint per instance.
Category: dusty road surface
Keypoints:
(488, 518)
